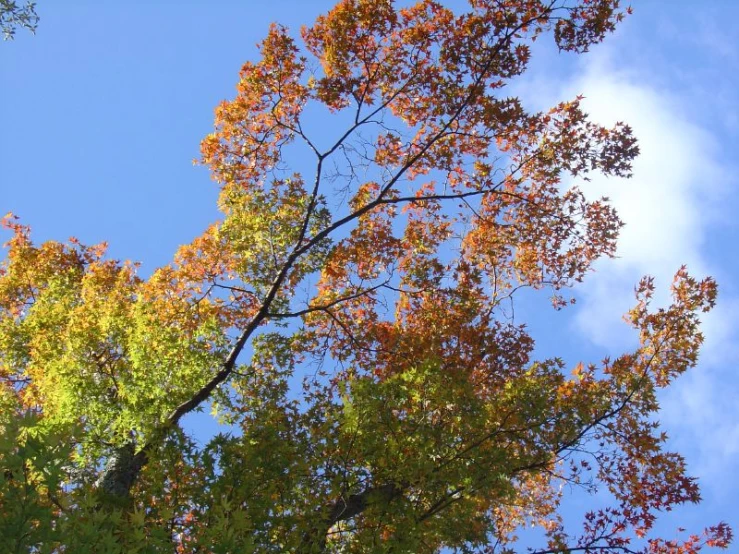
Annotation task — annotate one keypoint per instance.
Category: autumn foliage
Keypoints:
(384, 200)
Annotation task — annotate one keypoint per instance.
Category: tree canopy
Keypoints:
(348, 319)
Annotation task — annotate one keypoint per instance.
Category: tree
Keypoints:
(13, 16)
(348, 319)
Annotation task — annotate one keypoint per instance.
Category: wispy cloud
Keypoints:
(668, 207)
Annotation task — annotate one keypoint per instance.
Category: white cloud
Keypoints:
(665, 205)
(668, 207)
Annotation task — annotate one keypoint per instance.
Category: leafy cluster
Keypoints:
(13, 16)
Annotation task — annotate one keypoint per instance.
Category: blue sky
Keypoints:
(102, 113)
